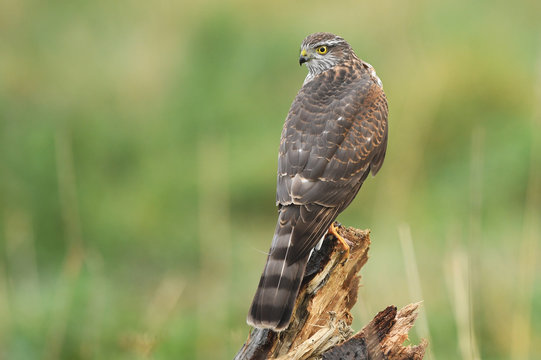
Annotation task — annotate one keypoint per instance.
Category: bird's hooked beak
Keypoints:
(304, 57)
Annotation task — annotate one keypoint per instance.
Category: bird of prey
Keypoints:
(334, 135)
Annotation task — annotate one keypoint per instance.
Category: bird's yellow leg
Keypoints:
(343, 241)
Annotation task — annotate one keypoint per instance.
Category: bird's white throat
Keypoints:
(318, 65)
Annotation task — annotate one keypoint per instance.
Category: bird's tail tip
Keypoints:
(276, 326)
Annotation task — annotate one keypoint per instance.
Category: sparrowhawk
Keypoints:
(334, 135)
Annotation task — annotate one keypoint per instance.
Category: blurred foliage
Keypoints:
(138, 145)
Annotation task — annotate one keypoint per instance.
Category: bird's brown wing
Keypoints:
(334, 135)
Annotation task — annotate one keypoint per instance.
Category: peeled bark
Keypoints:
(320, 327)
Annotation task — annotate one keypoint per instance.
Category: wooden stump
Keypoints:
(321, 324)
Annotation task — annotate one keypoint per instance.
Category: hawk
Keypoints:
(334, 135)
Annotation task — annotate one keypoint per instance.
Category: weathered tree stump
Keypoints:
(321, 324)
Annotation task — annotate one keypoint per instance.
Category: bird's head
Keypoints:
(322, 51)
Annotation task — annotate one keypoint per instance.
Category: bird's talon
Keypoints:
(345, 244)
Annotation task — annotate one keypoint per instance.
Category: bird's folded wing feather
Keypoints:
(335, 133)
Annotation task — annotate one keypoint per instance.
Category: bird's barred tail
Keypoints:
(280, 282)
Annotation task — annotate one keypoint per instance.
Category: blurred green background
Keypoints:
(138, 148)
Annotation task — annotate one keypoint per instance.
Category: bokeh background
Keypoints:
(138, 148)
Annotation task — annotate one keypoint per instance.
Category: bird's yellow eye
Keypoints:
(322, 50)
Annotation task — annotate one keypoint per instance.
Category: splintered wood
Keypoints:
(321, 324)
